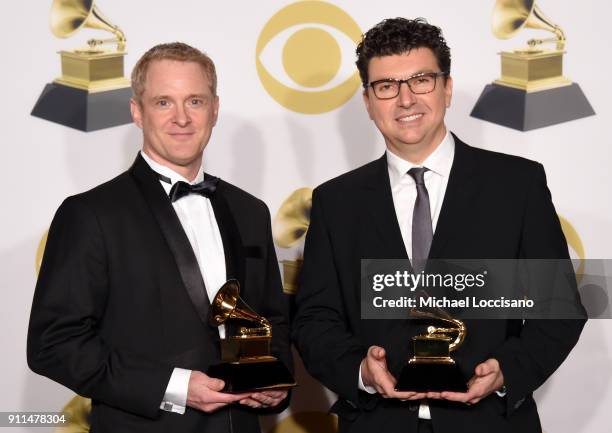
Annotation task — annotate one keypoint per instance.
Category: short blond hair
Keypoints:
(172, 51)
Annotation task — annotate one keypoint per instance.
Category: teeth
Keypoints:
(410, 118)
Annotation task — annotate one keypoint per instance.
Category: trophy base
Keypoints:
(524, 111)
(425, 376)
(79, 109)
(252, 376)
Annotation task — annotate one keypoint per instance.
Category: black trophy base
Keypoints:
(524, 111)
(82, 110)
(252, 376)
(423, 377)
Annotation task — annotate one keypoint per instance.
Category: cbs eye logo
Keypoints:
(315, 72)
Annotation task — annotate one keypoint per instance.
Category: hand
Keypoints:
(374, 373)
(265, 399)
(204, 393)
(487, 379)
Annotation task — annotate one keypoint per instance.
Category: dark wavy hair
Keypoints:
(398, 36)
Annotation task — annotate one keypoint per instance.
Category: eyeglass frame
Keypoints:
(434, 75)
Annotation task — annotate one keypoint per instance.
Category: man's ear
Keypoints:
(366, 101)
(136, 111)
(215, 109)
(448, 91)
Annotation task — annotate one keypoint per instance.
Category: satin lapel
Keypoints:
(175, 236)
(230, 235)
(381, 211)
(460, 192)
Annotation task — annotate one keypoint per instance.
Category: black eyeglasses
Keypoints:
(389, 88)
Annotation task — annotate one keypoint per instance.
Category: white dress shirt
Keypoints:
(403, 189)
(195, 212)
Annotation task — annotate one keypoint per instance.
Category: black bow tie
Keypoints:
(205, 188)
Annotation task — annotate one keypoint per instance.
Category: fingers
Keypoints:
(408, 395)
(374, 370)
(268, 398)
(225, 397)
(276, 394)
(383, 382)
(204, 393)
(377, 353)
(490, 366)
(461, 397)
(213, 383)
(251, 403)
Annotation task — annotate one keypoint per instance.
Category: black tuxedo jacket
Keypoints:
(495, 206)
(120, 301)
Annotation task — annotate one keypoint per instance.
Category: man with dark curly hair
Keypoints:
(430, 196)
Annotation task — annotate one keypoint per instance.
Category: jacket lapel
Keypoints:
(460, 193)
(175, 236)
(378, 199)
(230, 235)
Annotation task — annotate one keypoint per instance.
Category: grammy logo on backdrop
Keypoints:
(532, 91)
(92, 92)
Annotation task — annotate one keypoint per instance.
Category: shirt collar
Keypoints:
(440, 161)
(169, 173)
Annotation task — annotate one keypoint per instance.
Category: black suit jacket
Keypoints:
(120, 301)
(495, 206)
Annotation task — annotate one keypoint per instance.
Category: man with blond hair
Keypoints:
(120, 312)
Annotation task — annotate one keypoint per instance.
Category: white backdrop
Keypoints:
(270, 151)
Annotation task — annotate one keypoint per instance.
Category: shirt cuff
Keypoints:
(361, 386)
(175, 398)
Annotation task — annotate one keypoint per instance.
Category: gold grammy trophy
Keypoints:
(247, 364)
(432, 368)
(92, 92)
(532, 91)
(289, 227)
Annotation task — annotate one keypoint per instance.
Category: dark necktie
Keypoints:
(422, 232)
(205, 188)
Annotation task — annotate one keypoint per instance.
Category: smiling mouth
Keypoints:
(410, 118)
(180, 135)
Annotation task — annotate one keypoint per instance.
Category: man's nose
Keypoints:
(181, 116)
(405, 98)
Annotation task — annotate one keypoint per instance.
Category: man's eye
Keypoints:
(196, 101)
(423, 80)
(162, 103)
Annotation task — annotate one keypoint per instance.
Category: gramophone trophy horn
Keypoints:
(292, 219)
(92, 92)
(532, 91)
(228, 305)
(288, 228)
(247, 364)
(511, 16)
(69, 16)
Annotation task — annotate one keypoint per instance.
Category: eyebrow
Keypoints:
(420, 72)
(193, 95)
